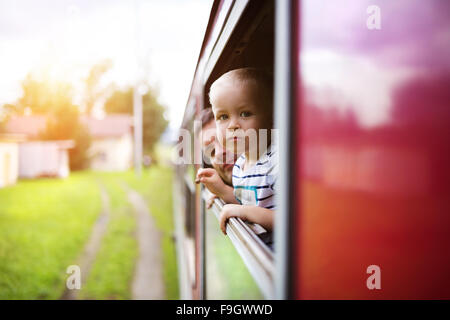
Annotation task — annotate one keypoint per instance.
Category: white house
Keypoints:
(111, 148)
(112, 142)
(9, 160)
(37, 158)
(44, 159)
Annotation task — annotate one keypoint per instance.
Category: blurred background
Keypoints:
(72, 73)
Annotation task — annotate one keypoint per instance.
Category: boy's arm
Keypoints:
(227, 195)
(211, 179)
(255, 214)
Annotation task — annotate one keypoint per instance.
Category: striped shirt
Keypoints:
(255, 185)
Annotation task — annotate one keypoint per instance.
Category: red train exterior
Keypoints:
(372, 185)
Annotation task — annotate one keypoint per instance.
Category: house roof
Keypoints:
(114, 125)
(12, 137)
(30, 126)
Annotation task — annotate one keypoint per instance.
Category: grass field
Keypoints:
(159, 197)
(45, 223)
(112, 272)
(43, 227)
(226, 275)
(155, 185)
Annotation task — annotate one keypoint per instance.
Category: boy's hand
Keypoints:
(210, 201)
(228, 211)
(255, 214)
(211, 179)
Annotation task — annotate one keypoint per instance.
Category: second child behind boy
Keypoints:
(242, 101)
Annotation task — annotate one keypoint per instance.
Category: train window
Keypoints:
(248, 272)
(188, 199)
(239, 34)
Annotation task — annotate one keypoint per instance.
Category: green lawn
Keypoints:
(45, 223)
(158, 194)
(112, 272)
(227, 277)
(155, 185)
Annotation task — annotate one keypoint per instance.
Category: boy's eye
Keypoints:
(245, 114)
(222, 117)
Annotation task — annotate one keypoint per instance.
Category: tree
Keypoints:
(53, 99)
(93, 89)
(42, 95)
(154, 123)
(5, 113)
(64, 124)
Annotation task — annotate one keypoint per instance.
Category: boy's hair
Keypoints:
(206, 116)
(260, 78)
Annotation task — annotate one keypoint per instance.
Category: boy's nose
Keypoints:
(233, 124)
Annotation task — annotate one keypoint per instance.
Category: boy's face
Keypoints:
(220, 159)
(237, 109)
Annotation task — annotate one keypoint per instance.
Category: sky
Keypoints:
(155, 40)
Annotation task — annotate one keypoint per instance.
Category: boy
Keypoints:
(242, 102)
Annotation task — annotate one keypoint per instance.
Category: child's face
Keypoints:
(236, 109)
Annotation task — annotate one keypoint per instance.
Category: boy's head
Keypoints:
(242, 99)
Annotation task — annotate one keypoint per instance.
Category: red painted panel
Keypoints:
(373, 108)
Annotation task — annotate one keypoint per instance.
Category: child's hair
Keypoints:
(206, 116)
(260, 78)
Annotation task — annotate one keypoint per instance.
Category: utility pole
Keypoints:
(138, 137)
(137, 100)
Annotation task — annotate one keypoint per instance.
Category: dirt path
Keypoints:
(92, 247)
(148, 281)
